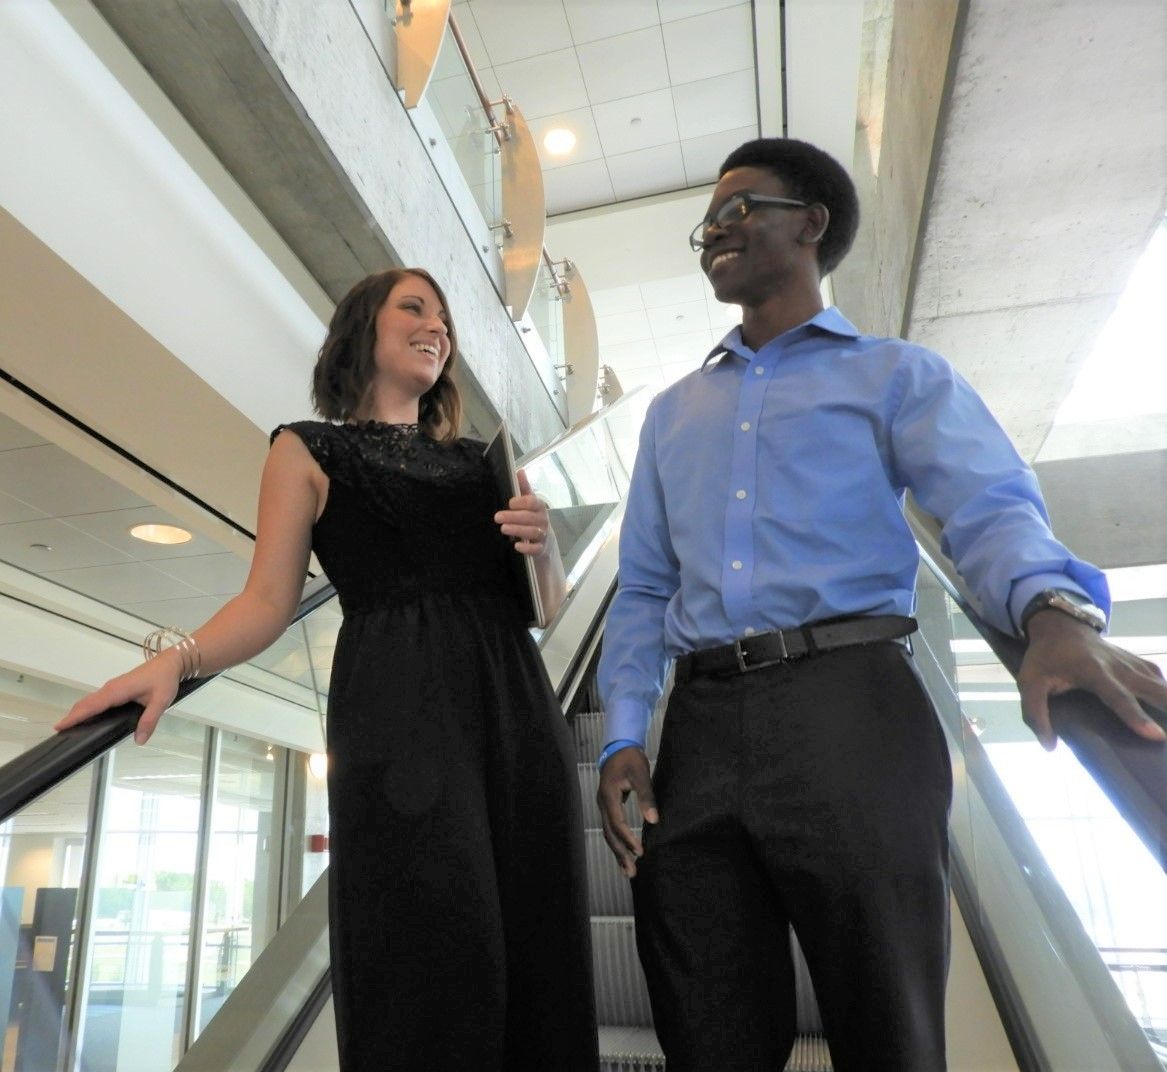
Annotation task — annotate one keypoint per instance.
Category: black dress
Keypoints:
(458, 906)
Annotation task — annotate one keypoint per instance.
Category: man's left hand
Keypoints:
(1065, 654)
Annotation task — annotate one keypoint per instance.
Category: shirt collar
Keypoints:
(829, 320)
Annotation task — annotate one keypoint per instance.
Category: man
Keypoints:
(802, 777)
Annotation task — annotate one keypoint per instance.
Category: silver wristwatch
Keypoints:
(1067, 602)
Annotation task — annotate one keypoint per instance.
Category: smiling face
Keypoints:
(769, 251)
(413, 342)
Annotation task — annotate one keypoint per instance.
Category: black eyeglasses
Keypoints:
(736, 208)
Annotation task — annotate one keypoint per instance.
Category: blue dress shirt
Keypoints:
(768, 491)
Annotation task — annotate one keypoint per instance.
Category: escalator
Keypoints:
(1030, 989)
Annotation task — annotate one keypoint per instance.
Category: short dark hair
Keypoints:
(343, 376)
(811, 175)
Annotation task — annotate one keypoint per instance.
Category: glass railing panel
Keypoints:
(42, 861)
(545, 313)
(1061, 886)
(141, 921)
(584, 476)
(457, 108)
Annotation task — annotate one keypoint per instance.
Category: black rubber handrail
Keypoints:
(1131, 771)
(50, 762)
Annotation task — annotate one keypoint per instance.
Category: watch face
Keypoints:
(1076, 606)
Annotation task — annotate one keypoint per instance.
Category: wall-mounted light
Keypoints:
(318, 764)
(558, 141)
(166, 534)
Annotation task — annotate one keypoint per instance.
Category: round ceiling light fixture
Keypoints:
(161, 534)
(558, 141)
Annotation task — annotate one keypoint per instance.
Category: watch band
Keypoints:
(1066, 602)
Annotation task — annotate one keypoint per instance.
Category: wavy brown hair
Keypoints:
(343, 378)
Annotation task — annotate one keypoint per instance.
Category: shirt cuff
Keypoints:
(610, 749)
(627, 721)
(1026, 588)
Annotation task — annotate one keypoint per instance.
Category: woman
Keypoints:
(458, 907)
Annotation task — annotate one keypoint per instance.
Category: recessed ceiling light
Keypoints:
(559, 140)
(160, 534)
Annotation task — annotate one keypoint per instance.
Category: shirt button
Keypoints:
(736, 563)
(749, 630)
(759, 371)
(741, 493)
(745, 426)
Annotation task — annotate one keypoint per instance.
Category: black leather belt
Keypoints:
(765, 649)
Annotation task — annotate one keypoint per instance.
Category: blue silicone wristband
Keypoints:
(611, 748)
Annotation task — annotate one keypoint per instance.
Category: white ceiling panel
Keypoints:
(652, 378)
(582, 124)
(591, 20)
(53, 481)
(672, 10)
(630, 355)
(222, 574)
(623, 327)
(517, 29)
(683, 319)
(636, 122)
(714, 105)
(14, 435)
(624, 66)
(112, 527)
(626, 299)
(703, 156)
(122, 584)
(577, 186)
(544, 84)
(713, 43)
(468, 28)
(647, 171)
(48, 544)
(689, 349)
(13, 509)
(673, 291)
(181, 613)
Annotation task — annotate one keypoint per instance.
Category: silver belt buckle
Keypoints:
(740, 655)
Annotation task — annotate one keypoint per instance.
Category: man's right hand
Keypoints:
(625, 772)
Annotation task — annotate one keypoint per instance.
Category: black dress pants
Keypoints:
(812, 794)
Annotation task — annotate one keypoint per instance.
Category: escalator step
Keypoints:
(630, 1049)
(609, 892)
(621, 995)
(588, 731)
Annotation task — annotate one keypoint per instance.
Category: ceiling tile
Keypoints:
(13, 509)
(624, 66)
(675, 371)
(722, 317)
(13, 435)
(124, 583)
(223, 574)
(682, 319)
(676, 289)
(703, 156)
(57, 483)
(625, 299)
(66, 547)
(647, 171)
(636, 122)
(727, 102)
(544, 84)
(623, 327)
(672, 10)
(112, 527)
(468, 28)
(622, 356)
(582, 124)
(591, 20)
(516, 29)
(181, 613)
(642, 377)
(688, 349)
(687, 44)
(577, 186)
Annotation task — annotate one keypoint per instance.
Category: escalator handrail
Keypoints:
(1131, 771)
(48, 763)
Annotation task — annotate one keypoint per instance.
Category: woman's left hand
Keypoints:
(526, 521)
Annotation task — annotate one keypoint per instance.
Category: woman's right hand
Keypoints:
(153, 684)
